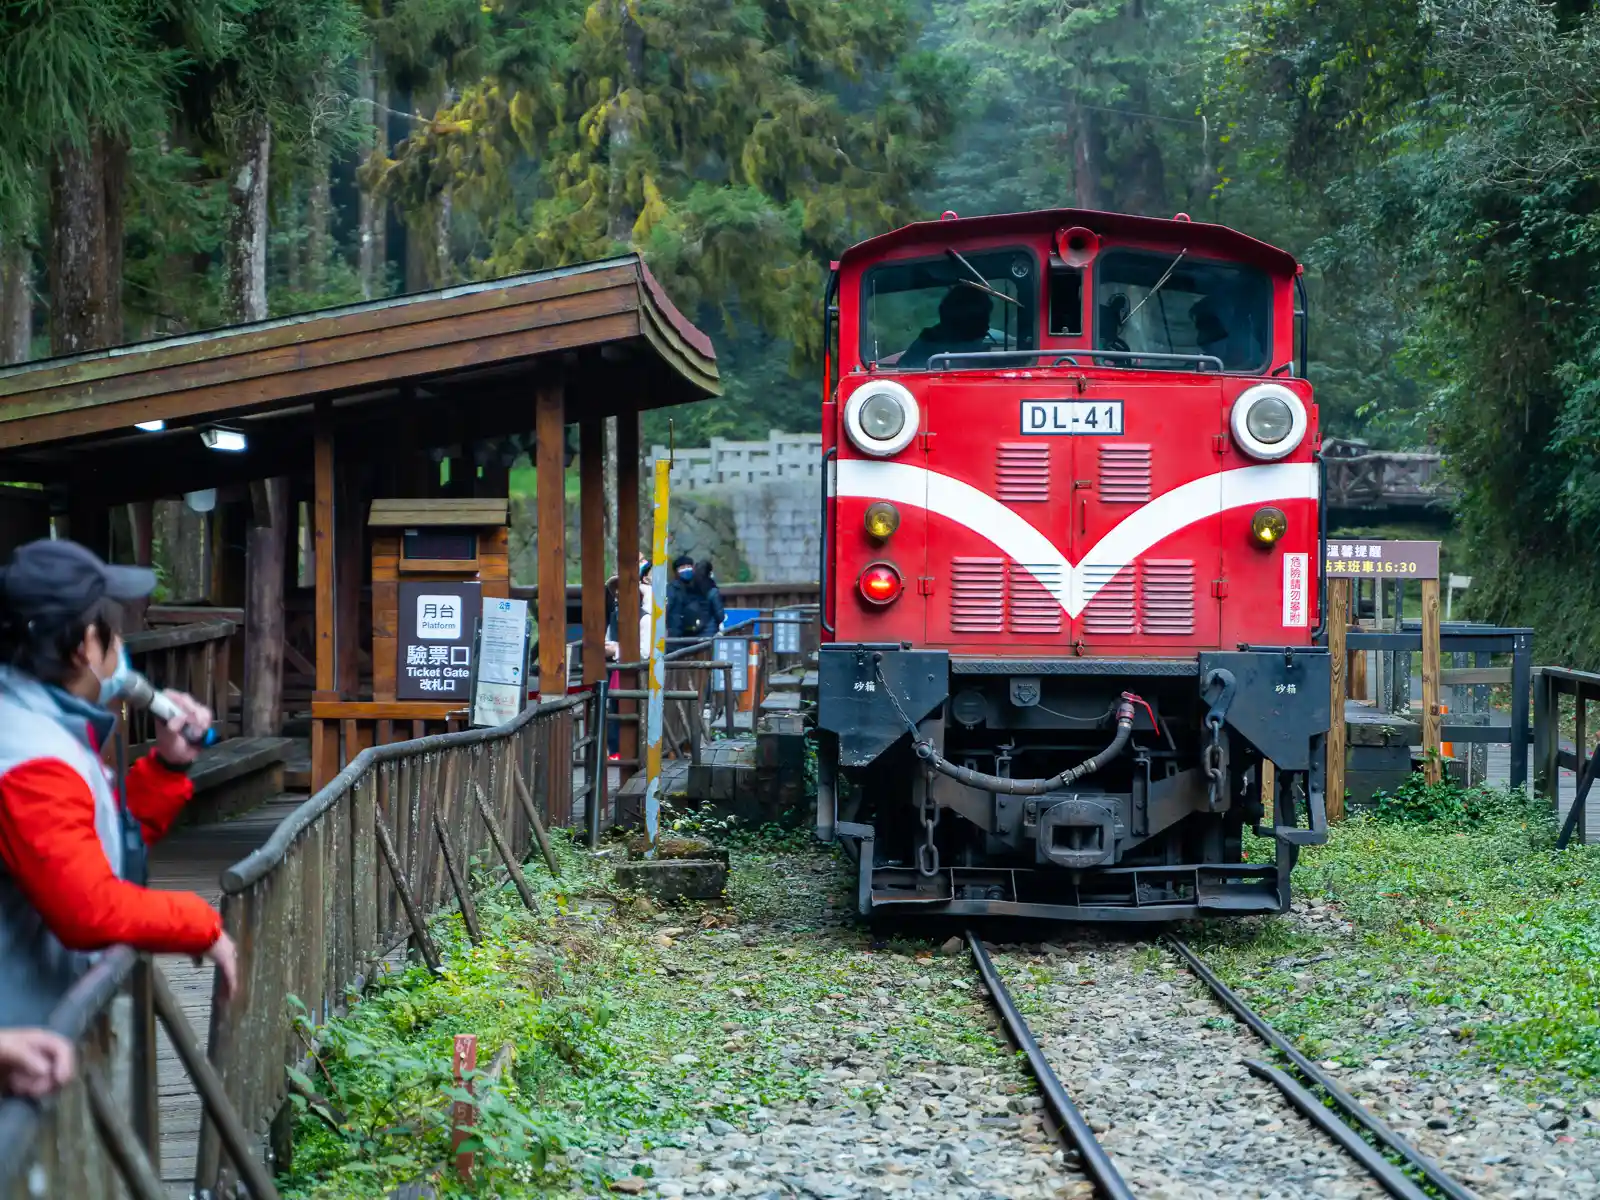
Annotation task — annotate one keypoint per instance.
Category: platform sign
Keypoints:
(786, 624)
(438, 626)
(736, 651)
(1370, 558)
(501, 683)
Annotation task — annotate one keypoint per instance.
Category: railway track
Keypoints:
(1384, 1157)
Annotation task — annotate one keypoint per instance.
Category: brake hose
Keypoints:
(1033, 787)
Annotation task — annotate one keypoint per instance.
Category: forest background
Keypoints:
(170, 165)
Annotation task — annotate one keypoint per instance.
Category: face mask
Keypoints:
(686, 574)
(111, 688)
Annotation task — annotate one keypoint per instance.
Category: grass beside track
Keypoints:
(1444, 913)
(625, 1021)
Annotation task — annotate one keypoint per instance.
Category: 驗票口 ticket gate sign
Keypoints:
(438, 624)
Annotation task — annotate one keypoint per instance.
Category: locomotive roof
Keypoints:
(1203, 236)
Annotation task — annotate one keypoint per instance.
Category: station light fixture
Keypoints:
(229, 441)
(150, 426)
(880, 583)
(882, 520)
(1268, 526)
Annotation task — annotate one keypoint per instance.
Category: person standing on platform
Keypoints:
(688, 611)
(72, 850)
(707, 583)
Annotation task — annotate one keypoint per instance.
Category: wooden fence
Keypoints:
(349, 877)
(193, 658)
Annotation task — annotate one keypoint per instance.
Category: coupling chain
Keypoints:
(1214, 754)
(1214, 758)
(928, 853)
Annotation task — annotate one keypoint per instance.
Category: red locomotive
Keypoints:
(1071, 568)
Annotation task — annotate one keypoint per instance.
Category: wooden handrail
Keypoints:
(259, 862)
(171, 637)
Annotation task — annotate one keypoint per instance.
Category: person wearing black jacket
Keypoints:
(688, 607)
(707, 583)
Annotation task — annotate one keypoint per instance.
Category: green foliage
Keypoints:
(737, 143)
(1476, 924)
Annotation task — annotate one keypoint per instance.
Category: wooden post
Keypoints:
(142, 521)
(550, 432)
(324, 739)
(463, 1115)
(1433, 766)
(349, 518)
(592, 553)
(265, 551)
(628, 732)
(1338, 623)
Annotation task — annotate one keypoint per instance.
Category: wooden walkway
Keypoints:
(192, 860)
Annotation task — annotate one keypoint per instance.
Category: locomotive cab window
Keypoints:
(1066, 301)
(966, 304)
(1174, 304)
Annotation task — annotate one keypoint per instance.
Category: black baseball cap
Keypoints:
(60, 580)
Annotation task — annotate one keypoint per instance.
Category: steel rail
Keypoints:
(1347, 1104)
(1390, 1177)
(1097, 1163)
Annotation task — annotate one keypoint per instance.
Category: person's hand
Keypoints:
(34, 1062)
(171, 744)
(226, 956)
(613, 650)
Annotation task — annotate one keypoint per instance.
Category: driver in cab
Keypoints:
(963, 328)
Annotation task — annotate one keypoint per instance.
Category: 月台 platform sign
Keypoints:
(438, 625)
(1373, 558)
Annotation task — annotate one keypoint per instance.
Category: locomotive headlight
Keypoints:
(881, 418)
(1268, 421)
(1268, 525)
(883, 519)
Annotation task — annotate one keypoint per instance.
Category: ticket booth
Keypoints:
(434, 562)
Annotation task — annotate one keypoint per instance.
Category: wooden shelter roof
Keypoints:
(437, 368)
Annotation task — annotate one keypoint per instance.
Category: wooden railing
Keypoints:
(349, 877)
(354, 873)
(1550, 684)
(191, 658)
(87, 1139)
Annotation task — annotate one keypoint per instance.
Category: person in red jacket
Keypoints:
(72, 850)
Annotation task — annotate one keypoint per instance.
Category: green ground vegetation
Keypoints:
(627, 1022)
(1464, 918)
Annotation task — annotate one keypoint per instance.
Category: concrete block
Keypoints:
(671, 879)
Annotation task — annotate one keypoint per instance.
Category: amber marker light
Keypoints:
(879, 583)
(883, 519)
(1268, 526)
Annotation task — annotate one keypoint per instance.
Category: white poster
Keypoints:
(502, 661)
(1296, 605)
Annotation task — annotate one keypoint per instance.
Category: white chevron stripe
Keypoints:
(1072, 586)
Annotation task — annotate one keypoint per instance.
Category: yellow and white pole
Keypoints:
(656, 705)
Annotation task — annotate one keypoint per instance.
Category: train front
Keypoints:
(1070, 570)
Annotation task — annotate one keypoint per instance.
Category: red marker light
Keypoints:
(880, 583)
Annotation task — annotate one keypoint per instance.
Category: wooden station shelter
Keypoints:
(319, 443)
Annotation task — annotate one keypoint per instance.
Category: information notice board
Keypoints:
(502, 661)
(438, 625)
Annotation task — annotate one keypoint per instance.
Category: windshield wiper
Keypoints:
(1160, 283)
(978, 281)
